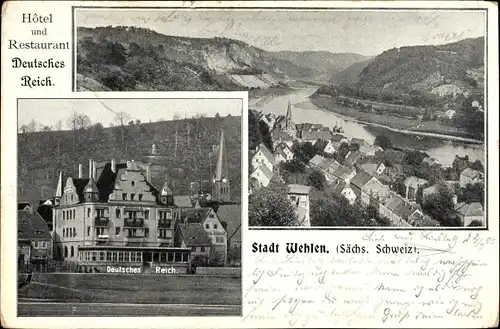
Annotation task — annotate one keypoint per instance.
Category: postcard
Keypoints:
(246, 164)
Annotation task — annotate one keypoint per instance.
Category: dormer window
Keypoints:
(124, 195)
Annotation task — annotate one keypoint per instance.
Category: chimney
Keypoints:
(148, 173)
(94, 170)
(80, 170)
(113, 165)
(90, 168)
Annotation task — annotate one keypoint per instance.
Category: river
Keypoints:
(304, 111)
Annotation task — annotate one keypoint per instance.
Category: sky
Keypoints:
(363, 32)
(49, 111)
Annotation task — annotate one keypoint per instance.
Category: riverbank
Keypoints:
(396, 124)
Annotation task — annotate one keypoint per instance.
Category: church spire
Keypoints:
(59, 186)
(219, 169)
(288, 117)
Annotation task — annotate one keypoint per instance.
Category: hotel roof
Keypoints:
(299, 189)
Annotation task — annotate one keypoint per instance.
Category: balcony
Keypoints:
(134, 240)
(102, 239)
(133, 222)
(100, 221)
(164, 223)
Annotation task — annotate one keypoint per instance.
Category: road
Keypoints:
(45, 308)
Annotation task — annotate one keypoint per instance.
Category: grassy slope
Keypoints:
(112, 288)
(42, 155)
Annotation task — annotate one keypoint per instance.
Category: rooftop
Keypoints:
(299, 189)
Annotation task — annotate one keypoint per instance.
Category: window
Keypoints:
(140, 197)
(88, 230)
(193, 248)
(74, 213)
(100, 230)
(71, 197)
(146, 214)
(72, 251)
(88, 212)
(64, 214)
(146, 232)
(118, 213)
(215, 226)
(124, 196)
(133, 184)
(207, 225)
(65, 251)
(117, 230)
(102, 255)
(113, 256)
(74, 231)
(132, 196)
(202, 249)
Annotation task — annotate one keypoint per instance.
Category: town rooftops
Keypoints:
(31, 226)
(194, 235)
(299, 189)
(196, 215)
(361, 179)
(469, 209)
(376, 188)
(231, 215)
(471, 173)
(315, 135)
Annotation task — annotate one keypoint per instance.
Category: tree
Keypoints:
(477, 165)
(342, 152)
(78, 122)
(303, 152)
(383, 141)
(440, 206)
(254, 134)
(121, 119)
(270, 206)
(472, 193)
(317, 180)
(354, 147)
(292, 166)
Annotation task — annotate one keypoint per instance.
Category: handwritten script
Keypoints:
(447, 282)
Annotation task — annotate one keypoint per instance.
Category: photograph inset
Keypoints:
(358, 118)
(129, 207)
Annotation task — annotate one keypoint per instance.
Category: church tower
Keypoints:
(57, 199)
(221, 185)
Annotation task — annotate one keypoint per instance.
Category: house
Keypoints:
(316, 161)
(346, 191)
(34, 238)
(262, 175)
(343, 174)
(325, 146)
(469, 212)
(283, 151)
(210, 223)
(373, 191)
(193, 236)
(396, 210)
(373, 168)
(418, 219)
(360, 180)
(352, 157)
(413, 184)
(361, 142)
(370, 150)
(299, 196)
(263, 157)
(338, 139)
(314, 136)
(470, 176)
(230, 217)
